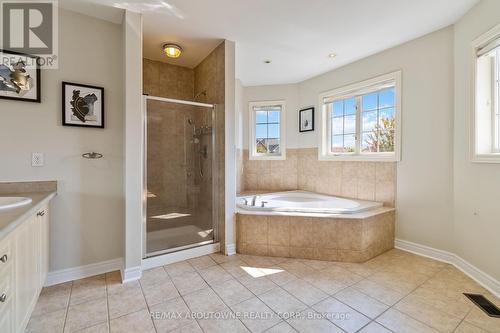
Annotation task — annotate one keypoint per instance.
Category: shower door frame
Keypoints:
(215, 214)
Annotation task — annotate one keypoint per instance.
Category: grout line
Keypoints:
(67, 307)
(107, 301)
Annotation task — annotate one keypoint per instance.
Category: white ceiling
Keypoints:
(297, 35)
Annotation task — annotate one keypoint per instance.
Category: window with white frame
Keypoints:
(362, 121)
(267, 130)
(486, 107)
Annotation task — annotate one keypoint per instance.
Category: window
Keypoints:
(485, 145)
(362, 121)
(266, 130)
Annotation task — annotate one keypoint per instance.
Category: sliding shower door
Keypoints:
(178, 175)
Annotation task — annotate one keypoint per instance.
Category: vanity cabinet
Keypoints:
(24, 264)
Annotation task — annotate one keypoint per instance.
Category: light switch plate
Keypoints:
(37, 159)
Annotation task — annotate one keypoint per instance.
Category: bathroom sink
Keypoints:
(13, 202)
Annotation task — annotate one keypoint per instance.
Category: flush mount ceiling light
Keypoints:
(332, 55)
(172, 50)
(267, 61)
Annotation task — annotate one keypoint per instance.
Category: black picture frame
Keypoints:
(67, 109)
(302, 112)
(38, 80)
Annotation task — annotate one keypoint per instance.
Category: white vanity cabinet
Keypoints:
(24, 263)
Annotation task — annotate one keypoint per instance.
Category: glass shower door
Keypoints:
(179, 179)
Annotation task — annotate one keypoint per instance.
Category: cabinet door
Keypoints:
(26, 271)
(43, 222)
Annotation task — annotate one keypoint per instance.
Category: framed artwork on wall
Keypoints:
(306, 119)
(82, 105)
(19, 77)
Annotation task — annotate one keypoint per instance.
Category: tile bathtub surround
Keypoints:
(28, 187)
(394, 292)
(348, 240)
(375, 181)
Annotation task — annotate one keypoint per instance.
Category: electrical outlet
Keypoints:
(37, 159)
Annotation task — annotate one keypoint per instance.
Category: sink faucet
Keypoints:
(254, 198)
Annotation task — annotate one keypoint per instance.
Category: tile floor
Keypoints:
(394, 292)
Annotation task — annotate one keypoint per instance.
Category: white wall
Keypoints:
(87, 215)
(424, 177)
(476, 186)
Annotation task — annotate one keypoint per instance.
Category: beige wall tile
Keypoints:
(279, 231)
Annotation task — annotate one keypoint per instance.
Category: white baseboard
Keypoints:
(80, 272)
(170, 258)
(467, 268)
(131, 274)
(230, 249)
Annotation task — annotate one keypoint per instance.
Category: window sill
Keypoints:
(486, 158)
(268, 157)
(360, 158)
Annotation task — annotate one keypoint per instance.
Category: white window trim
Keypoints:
(493, 157)
(356, 89)
(251, 143)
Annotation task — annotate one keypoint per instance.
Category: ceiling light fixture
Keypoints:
(267, 61)
(172, 50)
(332, 55)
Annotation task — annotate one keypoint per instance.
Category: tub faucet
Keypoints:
(254, 199)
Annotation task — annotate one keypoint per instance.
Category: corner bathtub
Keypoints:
(305, 202)
(306, 225)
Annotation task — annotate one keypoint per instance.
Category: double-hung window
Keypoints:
(267, 133)
(485, 145)
(362, 121)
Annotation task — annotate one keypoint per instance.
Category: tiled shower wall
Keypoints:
(302, 170)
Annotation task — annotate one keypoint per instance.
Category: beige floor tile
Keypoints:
(223, 323)
(398, 281)
(139, 321)
(342, 275)
(311, 322)
(188, 282)
(297, 268)
(202, 262)
(401, 323)
(305, 292)
(325, 282)
(221, 258)
(480, 319)
(204, 300)
(368, 306)
(125, 302)
(282, 302)
(52, 322)
(154, 276)
(430, 316)
(257, 286)
(231, 291)
(282, 327)
(458, 307)
(214, 274)
(114, 282)
(189, 328)
(341, 315)
(171, 315)
(235, 268)
(52, 299)
(160, 293)
(101, 328)
(465, 327)
(178, 268)
(374, 327)
(281, 277)
(88, 289)
(86, 314)
(256, 316)
(359, 269)
(380, 292)
(317, 264)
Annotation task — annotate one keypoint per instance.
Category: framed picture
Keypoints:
(82, 105)
(306, 120)
(19, 77)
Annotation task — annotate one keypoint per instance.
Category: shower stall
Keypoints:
(179, 208)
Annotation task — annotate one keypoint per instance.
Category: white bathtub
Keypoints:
(306, 202)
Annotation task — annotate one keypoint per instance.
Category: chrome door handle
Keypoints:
(42, 213)
(4, 258)
(3, 298)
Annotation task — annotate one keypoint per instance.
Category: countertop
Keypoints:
(11, 218)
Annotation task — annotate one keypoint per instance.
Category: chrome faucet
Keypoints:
(254, 199)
